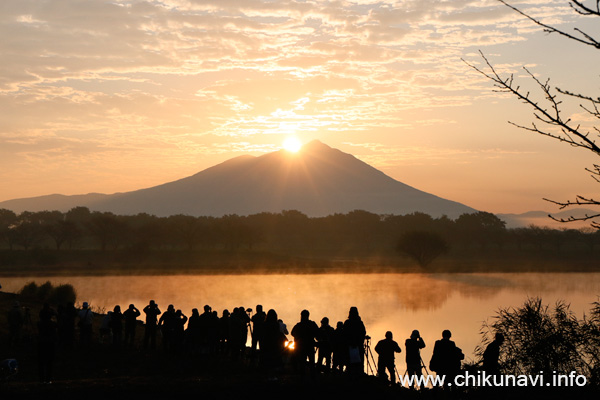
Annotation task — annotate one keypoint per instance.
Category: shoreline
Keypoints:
(14, 263)
(451, 266)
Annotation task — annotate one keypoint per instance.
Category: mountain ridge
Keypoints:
(318, 181)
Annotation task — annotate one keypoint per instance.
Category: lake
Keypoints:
(395, 302)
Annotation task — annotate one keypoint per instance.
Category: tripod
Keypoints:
(369, 357)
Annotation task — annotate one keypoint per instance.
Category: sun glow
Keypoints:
(292, 144)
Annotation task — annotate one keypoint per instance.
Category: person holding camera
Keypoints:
(414, 344)
(385, 349)
(152, 312)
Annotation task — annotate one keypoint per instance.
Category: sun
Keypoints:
(292, 144)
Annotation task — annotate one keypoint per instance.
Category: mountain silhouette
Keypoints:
(317, 181)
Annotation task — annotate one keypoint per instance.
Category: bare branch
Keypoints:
(579, 96)
(588, 40)
(579, 201)
(582, 9)
(552, 116)
(548, 112)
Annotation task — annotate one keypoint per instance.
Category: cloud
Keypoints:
(88, 80)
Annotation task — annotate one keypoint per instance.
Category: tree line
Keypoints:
(292, 232)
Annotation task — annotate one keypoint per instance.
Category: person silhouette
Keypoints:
(86, 319)
(340, 347)
(304, 334)
(178, 331)
(354, 336)
(446, 358)
(15, 324)
(192, 333)
(47, 338)
(491, 355)
(167, 323)
(238, 332)
(272, 344)
(224, 332)
(116, 325)
(104, 331)
(130, 316)
(66, 325)
(152, 312)
(386, 349)
(325, 344)
(204, 329)
(413, 345)
(258, 321)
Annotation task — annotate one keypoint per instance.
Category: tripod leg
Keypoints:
(423, 365)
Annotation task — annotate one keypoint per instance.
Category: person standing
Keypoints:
(304, 333)
(86, 319)
(413, 345)
(272, 345)
(491, 355)
(167, 323)
(354, 335)
(325, 344)
(178, 331)
(340, 348)
(15, 324)
(446, 358)
(130, 316)
(47, 338)
(66, 326)
(152, 312)
(258, 322)
(386, 349)
(116, 326)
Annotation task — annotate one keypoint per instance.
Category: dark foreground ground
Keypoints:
(105, 372)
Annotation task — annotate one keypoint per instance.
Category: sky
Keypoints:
(111, 96)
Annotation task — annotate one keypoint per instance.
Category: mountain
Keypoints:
(318, 181)
(542, 218)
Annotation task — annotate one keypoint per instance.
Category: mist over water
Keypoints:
(396, 302)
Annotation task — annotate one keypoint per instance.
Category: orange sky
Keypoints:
(108, 96)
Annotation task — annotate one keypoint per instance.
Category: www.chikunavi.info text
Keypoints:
(483, 379)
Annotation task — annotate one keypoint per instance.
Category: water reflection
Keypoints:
(396, 302)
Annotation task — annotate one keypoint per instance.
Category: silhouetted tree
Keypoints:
(236, 232)
(146, 231)
(362, 226)
(538, 338)
(518, 236)
(28, 230)
(591, 237)
(292, 228)
(193, 231)
(7, 221)
(481, 227)
(47, 292)
(55, 225)
(422, 246)
(80, 217)
(107, 229)
(417, 221)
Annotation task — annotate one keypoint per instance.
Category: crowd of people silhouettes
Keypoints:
(343, 348)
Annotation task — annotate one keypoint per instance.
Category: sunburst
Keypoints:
(292, 144)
